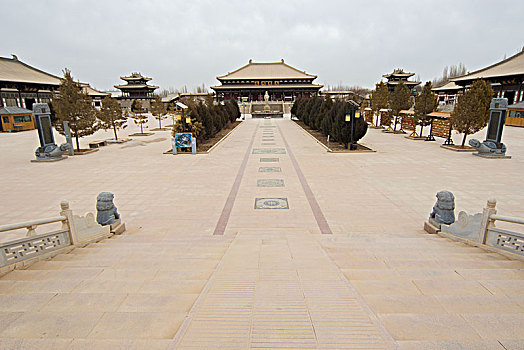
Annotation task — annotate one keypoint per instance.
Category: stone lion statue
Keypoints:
(106, 210)
(443, 211)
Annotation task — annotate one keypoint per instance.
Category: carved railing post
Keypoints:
(486, 221)
(31, 230)
(68, 224)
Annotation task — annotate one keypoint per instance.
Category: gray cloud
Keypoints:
(190, 42)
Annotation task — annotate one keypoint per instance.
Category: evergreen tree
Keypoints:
(110, 115)
(233, 110)
(74, 106)
(138, 114)
(471, 113)
(158, 110)
(399, 100)
(325, 107)
(380, 100)
(425, 103)
(341, 129)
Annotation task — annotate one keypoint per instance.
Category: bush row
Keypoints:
(329, 117)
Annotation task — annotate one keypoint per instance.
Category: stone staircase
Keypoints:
(131, 291)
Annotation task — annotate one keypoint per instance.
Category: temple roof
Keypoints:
(406, 82)
(268, 70)
(448, 86)
(510, 66)
(92, 92)
(14, 110)
(266, 87)
(519, 105)
(13, 70)
(398, 73)
(137, 86)
(135, 76)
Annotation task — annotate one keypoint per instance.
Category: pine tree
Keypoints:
(425, 103)
(158, 110)
(380, 100)
(74, 106)
(399, 100)
(111, 116)
(471, 113)
(138, 114)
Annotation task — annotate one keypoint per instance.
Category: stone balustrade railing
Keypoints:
(481, 229)
(32, 225)
(504, 239)
(76, 230)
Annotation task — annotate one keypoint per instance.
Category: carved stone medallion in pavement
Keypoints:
(269, 169)
(270, 183)
(269, 151)
(269, 159)
(271, 203)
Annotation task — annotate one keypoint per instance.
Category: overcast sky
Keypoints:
(188, 43)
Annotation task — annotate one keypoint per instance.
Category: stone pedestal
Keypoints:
(430, 228)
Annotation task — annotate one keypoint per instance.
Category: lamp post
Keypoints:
(351, 114)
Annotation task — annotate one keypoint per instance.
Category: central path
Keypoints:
(275, 287)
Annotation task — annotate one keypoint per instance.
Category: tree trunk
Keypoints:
(421, 129)
(114, 129)
(160, 123)
(464, 140)
(77, 143)
(141, 130)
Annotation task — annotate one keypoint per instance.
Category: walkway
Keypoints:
(339, 262)
(276, 287)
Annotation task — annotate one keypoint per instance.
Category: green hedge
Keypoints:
(329, 117)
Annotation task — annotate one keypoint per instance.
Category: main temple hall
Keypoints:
(281, 81)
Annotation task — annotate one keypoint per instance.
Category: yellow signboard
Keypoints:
(188, 120)
(348, 117)
(357, 114)
(178, 117)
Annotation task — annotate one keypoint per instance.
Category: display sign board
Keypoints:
(183, 139)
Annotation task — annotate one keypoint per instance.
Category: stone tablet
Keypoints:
(270, 183)
(271, 203)
(269, 169)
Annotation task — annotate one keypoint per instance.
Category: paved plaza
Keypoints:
(266, 242)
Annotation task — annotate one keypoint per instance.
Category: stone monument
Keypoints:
(48, 151)
(492, 147)
(107, 213)
(443, 212)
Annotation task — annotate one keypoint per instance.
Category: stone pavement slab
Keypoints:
(378, 280)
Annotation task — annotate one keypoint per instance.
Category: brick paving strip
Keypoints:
(226, 212)
(317, 212)
(278, 289)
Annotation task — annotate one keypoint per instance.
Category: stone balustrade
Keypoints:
(75, 231)
(480, 229)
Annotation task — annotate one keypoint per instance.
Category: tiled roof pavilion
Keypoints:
(511, 66)
(266, 70)
(13, 70)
